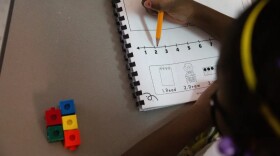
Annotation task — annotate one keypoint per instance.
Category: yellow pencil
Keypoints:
(159, 26)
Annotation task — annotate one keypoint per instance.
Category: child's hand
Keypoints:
(179, 11)
(205, 97)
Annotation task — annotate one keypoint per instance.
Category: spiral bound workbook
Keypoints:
(181, 67)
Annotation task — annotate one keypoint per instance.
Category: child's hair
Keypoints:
(248, 125)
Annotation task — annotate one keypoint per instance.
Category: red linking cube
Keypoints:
(53, 117)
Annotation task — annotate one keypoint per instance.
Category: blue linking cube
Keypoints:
(67, 107)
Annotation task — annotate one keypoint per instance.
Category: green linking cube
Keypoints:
(55, 133)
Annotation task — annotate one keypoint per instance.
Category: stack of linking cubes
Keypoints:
(62, 125)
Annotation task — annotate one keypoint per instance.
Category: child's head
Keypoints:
(248, 125)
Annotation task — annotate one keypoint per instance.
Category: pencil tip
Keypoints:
(157, 42)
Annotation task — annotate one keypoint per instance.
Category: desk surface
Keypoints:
(60, 49)
(4, 11)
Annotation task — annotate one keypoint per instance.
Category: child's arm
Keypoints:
(211, 21)
(189, 11)
(171, 138)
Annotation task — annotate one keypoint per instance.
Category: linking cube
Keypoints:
(55, 133)
(72, 139)
(53, 117)
(62, 124)
(69, 122)
(67, 107)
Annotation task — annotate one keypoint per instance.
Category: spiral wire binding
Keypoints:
(127, 52)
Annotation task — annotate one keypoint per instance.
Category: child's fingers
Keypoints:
(157, 4)
(169, 16)
(147, 6)
(172, 18)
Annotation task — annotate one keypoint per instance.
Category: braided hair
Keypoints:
(249, 127)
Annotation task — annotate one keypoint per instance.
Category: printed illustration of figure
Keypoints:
(190, 75)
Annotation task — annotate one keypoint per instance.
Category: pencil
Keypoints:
(159, 26)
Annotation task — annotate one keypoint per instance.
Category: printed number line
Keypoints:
(173, 45)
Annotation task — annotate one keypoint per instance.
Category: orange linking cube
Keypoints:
(62, 124)
(72, 139)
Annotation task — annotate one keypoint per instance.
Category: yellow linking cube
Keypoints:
(69, 122)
